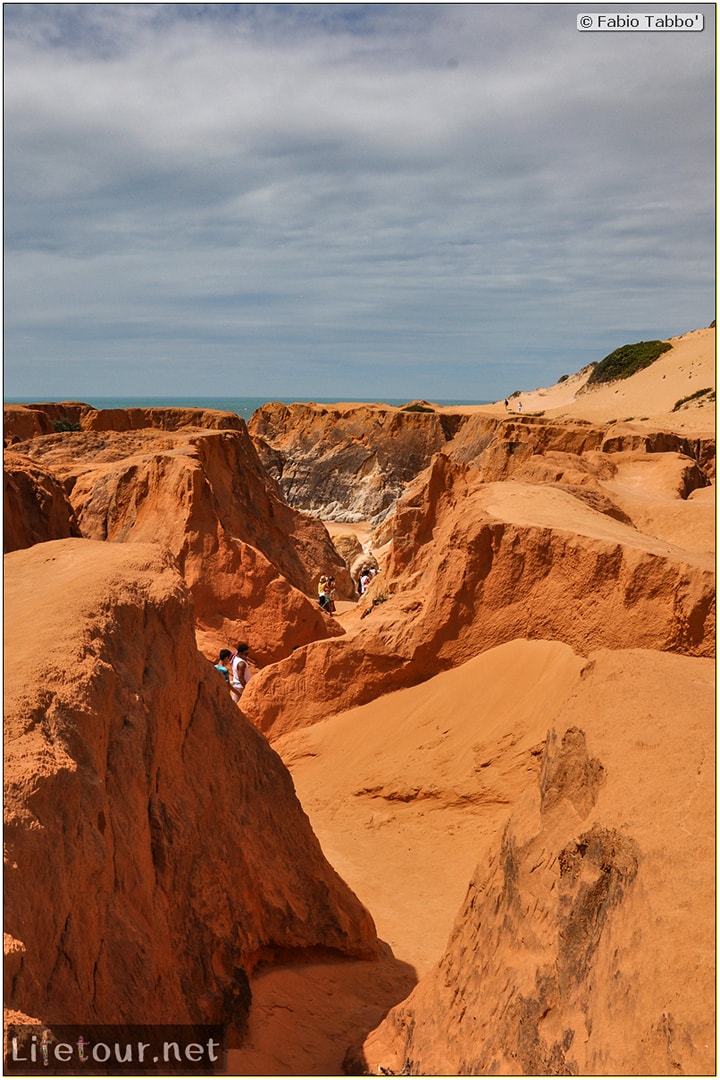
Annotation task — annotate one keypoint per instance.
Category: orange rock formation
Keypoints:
(35, 505)
(250, 560)
(473, 564)
(155, 849)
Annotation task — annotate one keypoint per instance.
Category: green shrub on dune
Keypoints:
(625, 361)
(694, 397)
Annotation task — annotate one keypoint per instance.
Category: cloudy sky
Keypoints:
(447, 201)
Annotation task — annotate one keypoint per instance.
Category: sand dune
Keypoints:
(606, 858)
(648, 397)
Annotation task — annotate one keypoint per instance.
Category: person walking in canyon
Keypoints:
(326, 594)
(241, 671)
(223, 666)
(322, 591)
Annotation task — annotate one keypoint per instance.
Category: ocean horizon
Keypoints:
(243, 407)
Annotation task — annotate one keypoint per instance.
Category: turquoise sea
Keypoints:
(243, 407)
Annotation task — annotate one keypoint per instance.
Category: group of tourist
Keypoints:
(326, 588)
(236, 668)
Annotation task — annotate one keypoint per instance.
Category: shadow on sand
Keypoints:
(305, 1017)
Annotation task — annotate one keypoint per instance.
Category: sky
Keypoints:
(343, 201)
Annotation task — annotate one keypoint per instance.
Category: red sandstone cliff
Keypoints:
(353, 463)
(250, 561)
(24, 422)
(35, 505)
(585, 943)
(43, 418)
(473, 564)
(347, 463)
(155, 848)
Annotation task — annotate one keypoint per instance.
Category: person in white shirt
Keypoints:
(241, 670)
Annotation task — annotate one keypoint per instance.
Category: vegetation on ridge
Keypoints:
(625, 361)
(693, 397)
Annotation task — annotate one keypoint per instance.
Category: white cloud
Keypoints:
(414, 191)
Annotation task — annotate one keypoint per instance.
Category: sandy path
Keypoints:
(304, 1017)
(409, 793)
(405, 792)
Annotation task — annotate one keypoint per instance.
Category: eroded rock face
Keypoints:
(35, 505)
(155, 848)
(25, 421)
(22, 422)
(348, 547)
(251, 562)
(572, 452)
(567, 956)
(473, 565)
(347, 464)
(353, 464)
(546, 564)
